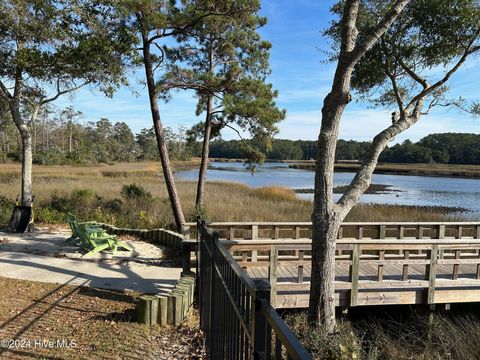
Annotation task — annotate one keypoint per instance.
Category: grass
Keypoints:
(444, 170)
(94, 193)
(100, 322)
(382, 335)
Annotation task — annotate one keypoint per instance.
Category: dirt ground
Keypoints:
(51, 321)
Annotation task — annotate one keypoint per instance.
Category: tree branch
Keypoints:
(393, 80)
(422, 95)
(412, 73)
(363, 178)
(239, 135)
(362, 47)
(5, 91)
(61, 92)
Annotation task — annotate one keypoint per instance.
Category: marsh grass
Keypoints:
(444, 170)
(415, 336)
(57, 189)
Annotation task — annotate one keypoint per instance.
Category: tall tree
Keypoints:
(50, 48)
(439, 34)
(156, 23)
(71, 117)
(327, 216)
(225, 61)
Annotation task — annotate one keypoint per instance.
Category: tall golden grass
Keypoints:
(223, 201)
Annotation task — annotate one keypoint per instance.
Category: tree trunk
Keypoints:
(70, 136)
(27, 165)
(325, 220)
(202, 174)
(162, 146)
(327, 216)
(26, 141)
(34, 125)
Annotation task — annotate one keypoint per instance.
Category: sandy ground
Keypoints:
(45, 256)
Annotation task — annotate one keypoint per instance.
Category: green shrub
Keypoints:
(343, 345)
(6, 206)
(87, 196)
(61, 203)
(196, 212)
(49, 216)
(114, 205)
(135, 192)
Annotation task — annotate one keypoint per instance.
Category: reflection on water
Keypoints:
(416, 190)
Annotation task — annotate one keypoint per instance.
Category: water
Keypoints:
(414, 190)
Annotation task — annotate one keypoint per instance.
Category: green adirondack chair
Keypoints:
(94, 239)
(74, 226)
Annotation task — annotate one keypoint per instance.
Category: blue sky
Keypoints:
(300, 76)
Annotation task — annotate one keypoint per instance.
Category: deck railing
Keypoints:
(235, 311)
(358, 230)
(369, 271)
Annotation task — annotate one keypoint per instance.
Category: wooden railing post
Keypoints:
(381, 254)
(382, 232)
(456, 266)
(301, 254)
(187, 232)
(254, 237)
(272, 273)
(262, 344)
(441, 235)
(354, 271)
(432, 274)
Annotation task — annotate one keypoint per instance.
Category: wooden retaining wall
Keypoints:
(168, 309)
(157, 236)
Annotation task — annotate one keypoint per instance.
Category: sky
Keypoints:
(302, 78)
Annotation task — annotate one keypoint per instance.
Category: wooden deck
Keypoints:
(393, 290)
(376, 263)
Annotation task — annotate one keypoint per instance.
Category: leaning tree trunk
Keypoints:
(202, 173)
(162, 146)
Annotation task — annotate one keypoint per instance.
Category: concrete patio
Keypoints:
(45, 256)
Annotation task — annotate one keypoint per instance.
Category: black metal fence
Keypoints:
(235, 313)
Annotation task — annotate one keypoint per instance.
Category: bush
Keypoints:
(343, 345)
(114, 205)
(6, 206)
(60, 203)
(135, 192)
(85, 197)
(198, 212)
(49, 216)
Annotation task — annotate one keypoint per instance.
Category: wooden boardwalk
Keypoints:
(393, 290)
(376, 263)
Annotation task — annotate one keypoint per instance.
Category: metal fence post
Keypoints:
(262, 345)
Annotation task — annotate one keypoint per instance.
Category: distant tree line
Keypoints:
(59, 138)
(446, 148)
